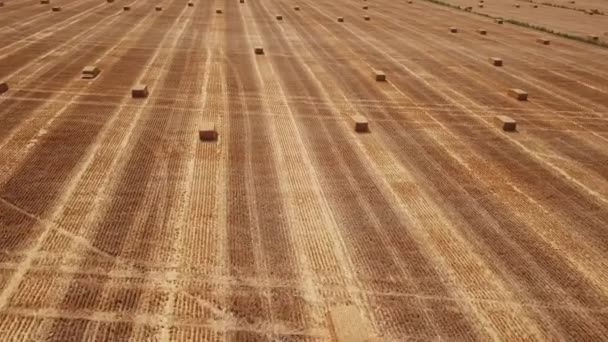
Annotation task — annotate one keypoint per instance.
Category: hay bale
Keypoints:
(45, 2)
(109, 1)
(495, 61)
(242, 1)
(361, 124)
(365, 7)
(518, 94)
(3, 87)
(482, 32)
(190, 4)
(56, 9)
(90, 72)
(453, 30)
(380, 75)
(297, 8)
(516, 5)
(410, 2)
(139, 91)
(126, 8)
(218, 11)
(279, 17)
(594, 37)
(480, 5)
(498, 21)
(535, 6)
(1, 4)
(366, 18)
(543, 41)
(506, 123)
(158, 8)
(346, 325)
(258, 50)
(207, 131)
(340, 19)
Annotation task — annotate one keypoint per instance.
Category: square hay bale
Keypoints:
(109, 1)
(90, 72)
(482, 32)
(543, 41)
(410, 2)
(218, 11)
(361, 124)
(516, 5)
(258, 50)
(190, 4)
(380, 75)
(279, 17)
(139, 91)
(365, 7)
(45, 2)
(496, 61)
(1, 4)
(242, 1)
(158, 8)
(366, 18)
(506, 123)
(3, 87)
(56, 9)
(453, 30)
(535, 6)
(340, 19)
(207, 131)
(346, 325)
(296, 8)
(594, 37)
(498, 21)
(126, 8)
(518, 94)
(480, 5)
(468, 8)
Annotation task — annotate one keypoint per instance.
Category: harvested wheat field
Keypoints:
(577, 18)
(206, 172)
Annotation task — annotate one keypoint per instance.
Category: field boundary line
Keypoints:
(524, 24)
(544, 86)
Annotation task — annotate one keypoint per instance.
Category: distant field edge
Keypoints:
(587, 40)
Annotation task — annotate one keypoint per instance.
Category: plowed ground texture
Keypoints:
(117, 223)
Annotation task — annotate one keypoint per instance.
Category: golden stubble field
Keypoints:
(118, 223)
